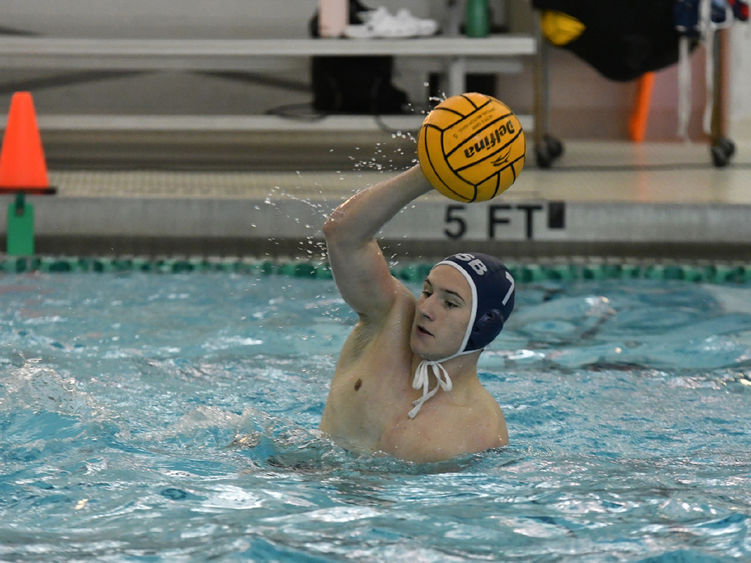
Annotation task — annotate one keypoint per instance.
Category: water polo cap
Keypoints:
(492, 287)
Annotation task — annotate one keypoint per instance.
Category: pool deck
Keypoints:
(601, 199)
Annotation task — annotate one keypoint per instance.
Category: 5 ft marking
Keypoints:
(498, 215)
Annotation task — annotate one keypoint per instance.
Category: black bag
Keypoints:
(622, 39)
(357, 85)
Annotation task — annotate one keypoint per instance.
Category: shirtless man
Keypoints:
(406, 382)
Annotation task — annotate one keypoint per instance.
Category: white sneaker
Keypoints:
(425, 27)
(380, 23)
(368, 15)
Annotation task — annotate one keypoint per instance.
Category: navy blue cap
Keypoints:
(492, 288)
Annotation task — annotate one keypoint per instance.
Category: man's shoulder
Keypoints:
(489, 422)
(478, 426)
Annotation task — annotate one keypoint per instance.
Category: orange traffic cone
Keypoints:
(22, 164)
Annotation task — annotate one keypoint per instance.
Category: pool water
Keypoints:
(151, 417)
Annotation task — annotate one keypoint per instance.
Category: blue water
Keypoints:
(148, 417)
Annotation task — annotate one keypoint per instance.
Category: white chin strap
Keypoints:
(422, 379)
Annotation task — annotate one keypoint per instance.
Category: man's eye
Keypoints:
(426, 293)
(451, 304)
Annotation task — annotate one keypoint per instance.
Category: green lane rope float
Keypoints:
(523, 271)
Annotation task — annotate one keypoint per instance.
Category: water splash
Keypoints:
(38, 387)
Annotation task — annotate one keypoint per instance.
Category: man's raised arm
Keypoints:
(360, 270)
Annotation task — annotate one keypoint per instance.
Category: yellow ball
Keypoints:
(471, 147)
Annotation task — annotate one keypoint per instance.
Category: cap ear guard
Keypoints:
(485, 329)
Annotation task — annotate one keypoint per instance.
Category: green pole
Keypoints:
(20, 227)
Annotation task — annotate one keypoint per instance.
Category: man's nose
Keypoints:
(426, 308)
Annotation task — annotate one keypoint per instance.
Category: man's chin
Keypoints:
(424, 354)
(418, 350)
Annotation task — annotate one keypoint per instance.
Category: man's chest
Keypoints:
(363, 404)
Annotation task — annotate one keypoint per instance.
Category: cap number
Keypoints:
(510, 291)
(475, 263)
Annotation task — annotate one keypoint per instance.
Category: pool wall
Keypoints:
(513, 227)
(606, 200)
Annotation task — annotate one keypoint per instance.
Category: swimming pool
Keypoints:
(149, 416)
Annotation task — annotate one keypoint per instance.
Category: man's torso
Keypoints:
(371, 394)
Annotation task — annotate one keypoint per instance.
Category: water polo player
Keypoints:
(406, 381)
